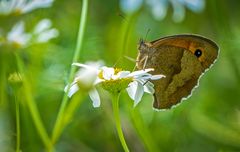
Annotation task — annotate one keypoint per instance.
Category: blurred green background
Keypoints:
(208, 121)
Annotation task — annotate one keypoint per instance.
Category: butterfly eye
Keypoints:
(198, 53)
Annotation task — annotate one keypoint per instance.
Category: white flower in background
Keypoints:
(22, 6)
(179, 8)
(42, 33)
(114, 81)
(130, 6)
(17, 36)
(159, 7)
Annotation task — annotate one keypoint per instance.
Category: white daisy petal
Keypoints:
(16, 30)
(130, 6)
(17, 35)
(148, 88)
(47, 35)
(43, 25)
(88, 75)
(107, 73)
(136, 73)
(195, 5)
(34, 4)
(122, 74)
(144, 76)
(159, 9)
(90, 65)
(156, 77)
(141, 72)
(22, 6)
(93, 94)
(81, 65)
(97, 81)
(132, 89)
(73, 89)
(135, 91)
(178, 11)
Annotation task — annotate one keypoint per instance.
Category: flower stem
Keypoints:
(17, 124)
(143, 130)
(33, 108)
(57, 127)
(115, 101)
(70, 110)
(125, 35)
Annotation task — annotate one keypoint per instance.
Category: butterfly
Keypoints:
(183, 59)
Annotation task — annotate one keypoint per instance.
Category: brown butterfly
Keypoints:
(182, 59)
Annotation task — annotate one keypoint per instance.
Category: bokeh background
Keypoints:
(208, 121)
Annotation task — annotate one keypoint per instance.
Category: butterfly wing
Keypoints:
(175, 57)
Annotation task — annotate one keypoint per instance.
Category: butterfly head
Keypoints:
(143, 47)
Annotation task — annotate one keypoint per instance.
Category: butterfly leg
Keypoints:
(145, 62)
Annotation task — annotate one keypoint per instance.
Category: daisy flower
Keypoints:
(42, 33)
(22, 6)
(113, 80)
(159, 8)
(17, 35)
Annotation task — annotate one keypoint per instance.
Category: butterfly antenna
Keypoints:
(118, 60)
(140, 40)
(147, 34)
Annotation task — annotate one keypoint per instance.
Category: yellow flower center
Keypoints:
(100, 74)
(17, 12)
(116, 86)
(116, 70)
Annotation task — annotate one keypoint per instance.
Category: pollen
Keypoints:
(116, 86)
(100, 74)
(116, 70)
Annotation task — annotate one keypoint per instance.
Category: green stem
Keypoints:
(57, 127)
(33, 108)
(2, 78)
(115, 101)
(17, 124)
(143, 130)
(70, 110)
(125, 35)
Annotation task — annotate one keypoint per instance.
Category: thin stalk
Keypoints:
(2, 78)
(33, 108)
(70, 110)
(82, 24)
(125, 35)
(115, 101)
(143, 131)
(17, 124)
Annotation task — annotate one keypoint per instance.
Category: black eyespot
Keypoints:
(198, 53)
